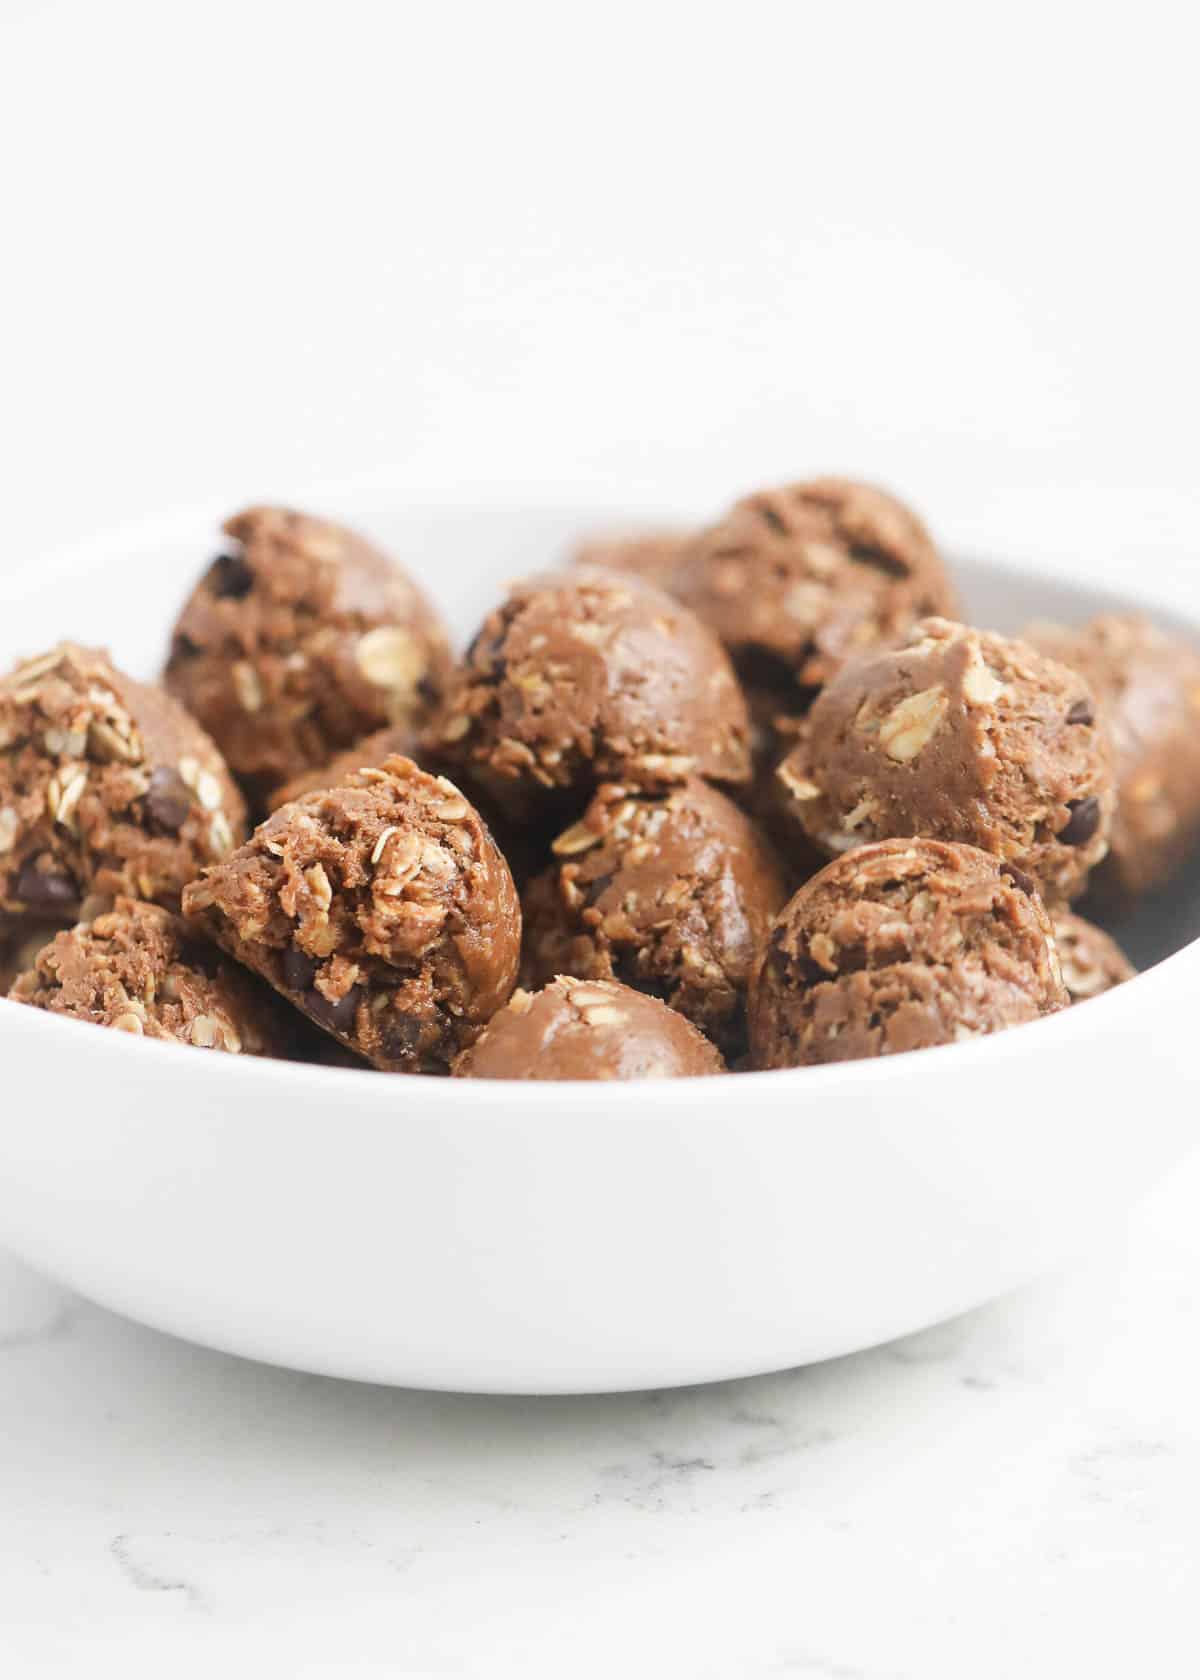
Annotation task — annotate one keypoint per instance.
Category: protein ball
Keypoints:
(651, 555)
(139, 969)
(959, 735)
(900, 946)
(584, 677)
(381, 908)
(367, 754)
(107, 788)
(1147, 684)
(1092, 961)
(672, 893)
(300, 640)
(795, 581)
(576, 1029)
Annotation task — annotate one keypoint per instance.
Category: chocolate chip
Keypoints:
(339, 1016)
(866, 554)
(1018, 877)
(183, 647)
(772, 518)
(486, 653)
(400, 1035)
(299, 970)
(596, 889)
(1082, 712)
(205, 959)
(169, 801)
(1083, 823)
(230, 578)
(42, 889)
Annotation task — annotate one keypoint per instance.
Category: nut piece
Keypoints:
(249, 688)
(980, 685)
(580, 837)
(390, 658)
(909, 727)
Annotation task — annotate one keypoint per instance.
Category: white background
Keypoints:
(249, 249)
(252, 247)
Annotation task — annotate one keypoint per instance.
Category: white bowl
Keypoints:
(550, 1238)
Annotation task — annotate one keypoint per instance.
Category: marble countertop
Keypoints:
(1011, 1493)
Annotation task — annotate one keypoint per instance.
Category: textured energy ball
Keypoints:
(672, 893)
(589, 676)
(107, 787)
(588, 1029)
(899, 946)
(1147, 685)
(139, 969)
(959, 735)
(795, 581)
(367, 754)
(300, 640)
(381, 908)
(1092, 962)
(651, 555)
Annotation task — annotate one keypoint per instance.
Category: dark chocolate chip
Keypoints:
(1082, 712)
(299, 970)
(486, 653)
(400, 1035)
(183, 647)
(1084, 821)
(230, 578)
(772, 518)
(42, 889)
(339, 1016)
(866, 554)
(205, 959)
(597, 888)
(1018, 877)
(169, 800)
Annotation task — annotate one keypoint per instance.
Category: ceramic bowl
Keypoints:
(547, 1238)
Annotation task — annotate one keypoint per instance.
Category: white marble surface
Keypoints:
(1014, 1493)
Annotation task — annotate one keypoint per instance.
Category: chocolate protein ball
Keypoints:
(138, 968)
(670, 892)
(590, 676)
(107, 787)
(899, 946)
(795, 581)
(368, 753)
(651, 555)
(593, 1029)
(1092, 962)
(1147, 685)
(381, 908)
(959, 735)
(298, 641)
